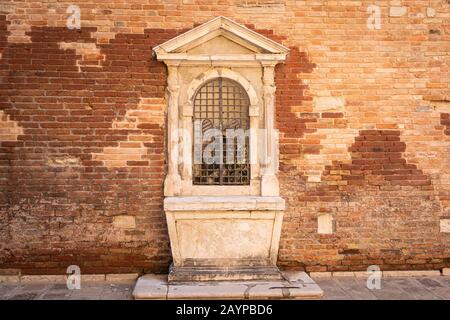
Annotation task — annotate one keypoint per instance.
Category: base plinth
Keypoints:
(293, 285)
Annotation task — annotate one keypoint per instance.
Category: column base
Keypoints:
(270, 186)
(172, 185)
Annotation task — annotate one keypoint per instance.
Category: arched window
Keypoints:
(221, 116)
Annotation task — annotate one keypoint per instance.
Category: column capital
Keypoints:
(269, 63)
(172, 63)
(269, 76)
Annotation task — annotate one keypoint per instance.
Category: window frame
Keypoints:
(188, 188)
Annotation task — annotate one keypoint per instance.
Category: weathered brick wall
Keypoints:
(362, 112)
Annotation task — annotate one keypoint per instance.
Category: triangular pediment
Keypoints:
(238, 39)
(220, 45)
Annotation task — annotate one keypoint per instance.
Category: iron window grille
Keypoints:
(222, 104)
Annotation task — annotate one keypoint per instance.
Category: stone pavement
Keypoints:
(410, 288)
(401, 288)
(59, 291)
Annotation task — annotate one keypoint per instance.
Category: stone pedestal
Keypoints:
(224, 238)
(222, 232)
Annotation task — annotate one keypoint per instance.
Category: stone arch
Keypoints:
(224, 73)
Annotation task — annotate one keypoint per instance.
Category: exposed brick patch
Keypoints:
(375, 198)
(445, 121)
(291, 95)
(3, 33)
(377, 161)
(332, 115)
(349, 251)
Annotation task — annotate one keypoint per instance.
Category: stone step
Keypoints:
(190, 274)
(294, 285)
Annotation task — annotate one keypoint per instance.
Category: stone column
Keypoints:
(173, 180)
(253, 139)
(269, 180)
(187, 143)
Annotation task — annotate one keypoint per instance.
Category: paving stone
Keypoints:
(430, 288)
(445, 281)
(117, 296)
(54, 296)
(24, 296)
(332, 291)
(5, 289)
(414, 288)
(58, 286)
(430, 283)
(356, 288)
(412, 273)
(91, 291)
(151, 286)
(442, 293)
(390, 291)
(86, 295)
(28, 291)
(33, 286)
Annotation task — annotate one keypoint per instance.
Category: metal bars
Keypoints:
(220, 105)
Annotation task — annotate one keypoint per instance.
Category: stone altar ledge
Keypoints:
(223, 203)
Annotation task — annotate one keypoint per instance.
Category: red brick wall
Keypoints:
(58, 198)
(362, 114)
